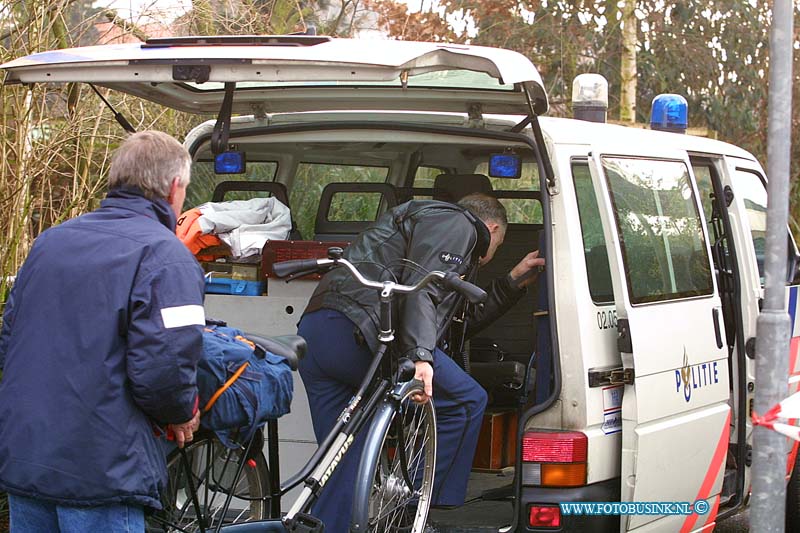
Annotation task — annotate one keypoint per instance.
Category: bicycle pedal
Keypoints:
(305, 523)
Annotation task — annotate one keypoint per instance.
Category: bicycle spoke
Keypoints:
(167, 524)
(209, 469)
(240, 515)
(199, 480)
(219, 483)
(400, 480)
(417, 459)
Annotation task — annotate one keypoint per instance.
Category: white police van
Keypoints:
(626, 375)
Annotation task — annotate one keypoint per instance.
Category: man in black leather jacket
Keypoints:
(341, 326)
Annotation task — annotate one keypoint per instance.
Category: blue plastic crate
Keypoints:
(237, 287)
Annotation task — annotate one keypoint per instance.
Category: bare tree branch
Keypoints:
(50, 10)
(125, 26)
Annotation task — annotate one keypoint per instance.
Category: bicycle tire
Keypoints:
(383, 502)
(212, 482)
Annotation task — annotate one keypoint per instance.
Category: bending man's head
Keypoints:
(156, 164)
(493, 214)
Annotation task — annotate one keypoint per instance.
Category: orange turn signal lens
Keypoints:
(563, 475)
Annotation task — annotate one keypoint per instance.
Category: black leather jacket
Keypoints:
(403, 245)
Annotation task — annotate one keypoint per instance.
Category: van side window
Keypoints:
(661, 233)
(204, 180)
(311, 178)
(749, 186)
(594, 241)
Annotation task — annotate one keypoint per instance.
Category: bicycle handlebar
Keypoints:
(450, 280)
(471, 292)
(296, 266)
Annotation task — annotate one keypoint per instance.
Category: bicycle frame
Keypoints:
(359, 411)
(326, 459)
(319, 468)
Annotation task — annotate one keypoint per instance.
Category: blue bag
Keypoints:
(263, 391)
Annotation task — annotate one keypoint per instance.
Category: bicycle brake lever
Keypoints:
(306, 273)
(298, 275)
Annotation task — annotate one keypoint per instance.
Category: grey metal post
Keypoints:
(772, 344)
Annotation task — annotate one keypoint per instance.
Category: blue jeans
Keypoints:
(332, 370)
(29, 515)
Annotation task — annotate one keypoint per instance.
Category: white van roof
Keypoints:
(570, 131)
(298, 73)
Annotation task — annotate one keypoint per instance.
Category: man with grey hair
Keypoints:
(99, 347)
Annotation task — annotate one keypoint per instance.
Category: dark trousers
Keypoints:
(332, 371)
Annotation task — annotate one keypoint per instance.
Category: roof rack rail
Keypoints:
(237, 40)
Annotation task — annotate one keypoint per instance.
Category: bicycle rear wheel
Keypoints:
(212, 473)
(395, 481)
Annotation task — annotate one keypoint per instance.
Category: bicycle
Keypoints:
(396, 471)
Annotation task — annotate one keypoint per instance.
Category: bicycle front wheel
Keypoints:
(195, 497)
(395, 483)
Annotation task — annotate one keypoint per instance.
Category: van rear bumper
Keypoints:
(605, 491)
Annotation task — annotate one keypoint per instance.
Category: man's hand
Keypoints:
(528, 268)
(424, 373)
(185, 432)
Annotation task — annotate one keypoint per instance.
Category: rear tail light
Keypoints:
(558, 447)
(544, 516)
(554, 459)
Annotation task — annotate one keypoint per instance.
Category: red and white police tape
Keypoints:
(784, 410)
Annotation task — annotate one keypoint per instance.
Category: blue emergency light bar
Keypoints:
(505, 166)
(669, 113)
(230, 163)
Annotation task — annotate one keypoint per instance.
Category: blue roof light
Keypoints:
(669, 113)
(505, 166)
(229, 163)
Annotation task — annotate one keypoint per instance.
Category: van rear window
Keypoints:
(660, 229)
(305, 192)
(204, 180)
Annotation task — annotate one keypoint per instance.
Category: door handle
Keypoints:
(717, 329)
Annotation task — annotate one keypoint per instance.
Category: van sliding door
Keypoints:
(675, 415)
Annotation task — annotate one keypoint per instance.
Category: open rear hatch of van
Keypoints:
(299, 73)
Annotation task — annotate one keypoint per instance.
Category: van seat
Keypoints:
(332, 227)
(501, 379)
(453, 187)
(278, 190)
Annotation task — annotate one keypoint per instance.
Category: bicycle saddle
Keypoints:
(291, 347)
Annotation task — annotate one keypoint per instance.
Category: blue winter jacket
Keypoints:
(101, 336)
